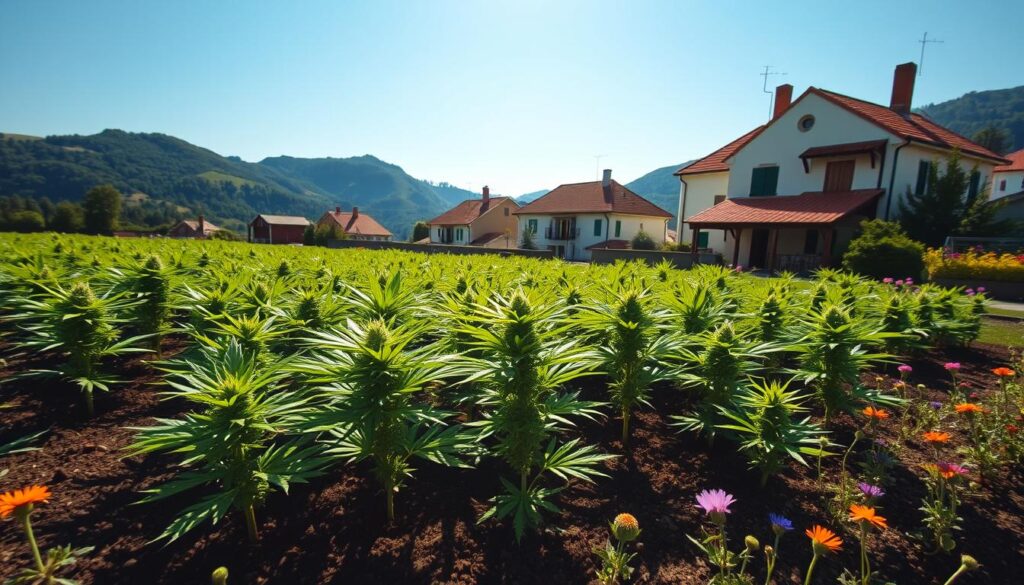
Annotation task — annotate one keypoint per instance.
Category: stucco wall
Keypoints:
(1014, 184)
(495, 221)
(436, 239)
(700, 195)
(905, 178)
(576, 249)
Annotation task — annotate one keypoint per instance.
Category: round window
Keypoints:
(805, 123)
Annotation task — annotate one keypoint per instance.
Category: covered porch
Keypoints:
(795, 233)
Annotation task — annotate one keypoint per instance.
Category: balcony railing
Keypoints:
(561, 233)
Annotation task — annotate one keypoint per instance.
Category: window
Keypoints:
(1002, 185)
(458, 234)
(838, 176)
(506, 212)
(702, 240)
(439, 233)
(923, 171)
(811, 242)
(618, 228)
(764, 181)
(597, 227)
(719, 199)
(532, 226)
(972, 188)
(805, 123)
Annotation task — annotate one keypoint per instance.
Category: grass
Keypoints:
(1001, 332)
(1005, 312)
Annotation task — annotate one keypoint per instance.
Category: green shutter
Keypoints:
(923, 168)
(618, 228)
(972, 189)
(532, 225)
(597, 227)
(702, 240)
(764, 181)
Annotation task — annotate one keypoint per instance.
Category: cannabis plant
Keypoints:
(373, 380)
(764, 421)
(630, 346)
(238, 444)
(82, 328)
(526, 360)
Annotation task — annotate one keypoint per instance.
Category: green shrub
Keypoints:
(643, 241)
(882, 250)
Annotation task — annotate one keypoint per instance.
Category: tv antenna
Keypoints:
(924, 43)
(597, 165)
(764, 87)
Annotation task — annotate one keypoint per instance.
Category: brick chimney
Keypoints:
(903, 88)
(355, 212)
(607, 179)
(337, 209)
(202, 223)
(487, 194)
(783, 97)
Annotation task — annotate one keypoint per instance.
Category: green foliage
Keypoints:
(420, 231)
(102, 209)
(240, 442)
(883, 249)
(25, 221)
(527, 242)
(994, 138)
(67, 218)
(975, 111)
(643, 241)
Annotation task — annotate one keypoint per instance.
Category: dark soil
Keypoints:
(334, 530)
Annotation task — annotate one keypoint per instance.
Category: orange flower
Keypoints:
(823, 539)
(875, 413)
(968, 407)
(1004, 372)
(11, 501)
(936, 437)
(866, 514)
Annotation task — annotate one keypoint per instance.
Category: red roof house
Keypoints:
(355, 225)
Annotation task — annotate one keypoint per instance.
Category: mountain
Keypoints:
(1003, 108)
(660, 187)
(165, 178)
(529, 197)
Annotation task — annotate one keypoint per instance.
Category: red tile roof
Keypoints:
(361, 224)
(282, 219)
(1016, 162)
(610, 245)
(847, 148)
(806, 208)
(715, 162)
(914, 127)
(466, 212)
(592, 197)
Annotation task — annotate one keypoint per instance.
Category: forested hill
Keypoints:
(660, 187)
(977, 110)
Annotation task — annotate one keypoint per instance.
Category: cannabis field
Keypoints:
(172, 412)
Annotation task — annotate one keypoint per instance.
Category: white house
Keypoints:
(574, 219)
(487, 222)
(798, 187)
(1008, 187)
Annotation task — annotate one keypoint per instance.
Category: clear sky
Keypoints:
(520, 94)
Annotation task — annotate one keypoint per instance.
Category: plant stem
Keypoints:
(27, 524)
(865, 568)
(625, 426)
(250, 523)
(89, 408)
(810, 569)
(391, 504)
(954, 576)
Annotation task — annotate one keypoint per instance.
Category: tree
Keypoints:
(946, 207)
(26, 221)
(309, 236)
(883, 249)
(102, 208)
(528, 243)
(994, 138)
(67, 218)
(643, 241)
(420, 231)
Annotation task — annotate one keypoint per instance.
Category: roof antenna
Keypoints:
(597, 166)
(764, 88)
(924, 43)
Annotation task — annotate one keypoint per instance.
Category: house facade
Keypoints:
(277, 229)
(355, 225)
(1008, 187)
(192, 229)
(574, 219)
(798, 188)
(487, 222)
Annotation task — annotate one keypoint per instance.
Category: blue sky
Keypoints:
(519, 95)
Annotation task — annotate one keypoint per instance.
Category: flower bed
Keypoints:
(974, 266)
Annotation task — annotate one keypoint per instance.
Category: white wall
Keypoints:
(576, 249)
(700, 195)
(1014, 184)
(906, 173)
(436, 239)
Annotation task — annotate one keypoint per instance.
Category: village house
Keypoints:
(574, 219)
(188, 229)
(355, 225)
(797, 188)
(1008, 187)
(277, 229)
(486, 222)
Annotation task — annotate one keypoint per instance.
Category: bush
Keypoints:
(975, 265)
(223, 234)
(882, 250)
(675, 246)
(643, 241)
(25, 221)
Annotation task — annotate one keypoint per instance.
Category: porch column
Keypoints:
(828, 234)
(693, 245)
(773, 246)
(736, 235)
(270, 233)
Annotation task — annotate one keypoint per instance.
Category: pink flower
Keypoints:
(899, 282)
(951, 366)
(981, 289)
(715, 501)
(905, 369)
(887, 280)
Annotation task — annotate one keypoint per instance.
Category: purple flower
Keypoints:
(870, 491)
(899, 282)
(981, 289)
(780, 524)
(935, 404)
(715, 501)
(905, 369)
(951, 366)
(909, 280)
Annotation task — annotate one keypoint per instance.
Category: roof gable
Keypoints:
(282, 219)
(360, 223)
(469, 210)
(1016, 162)
(593, 197)
(715, 162)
